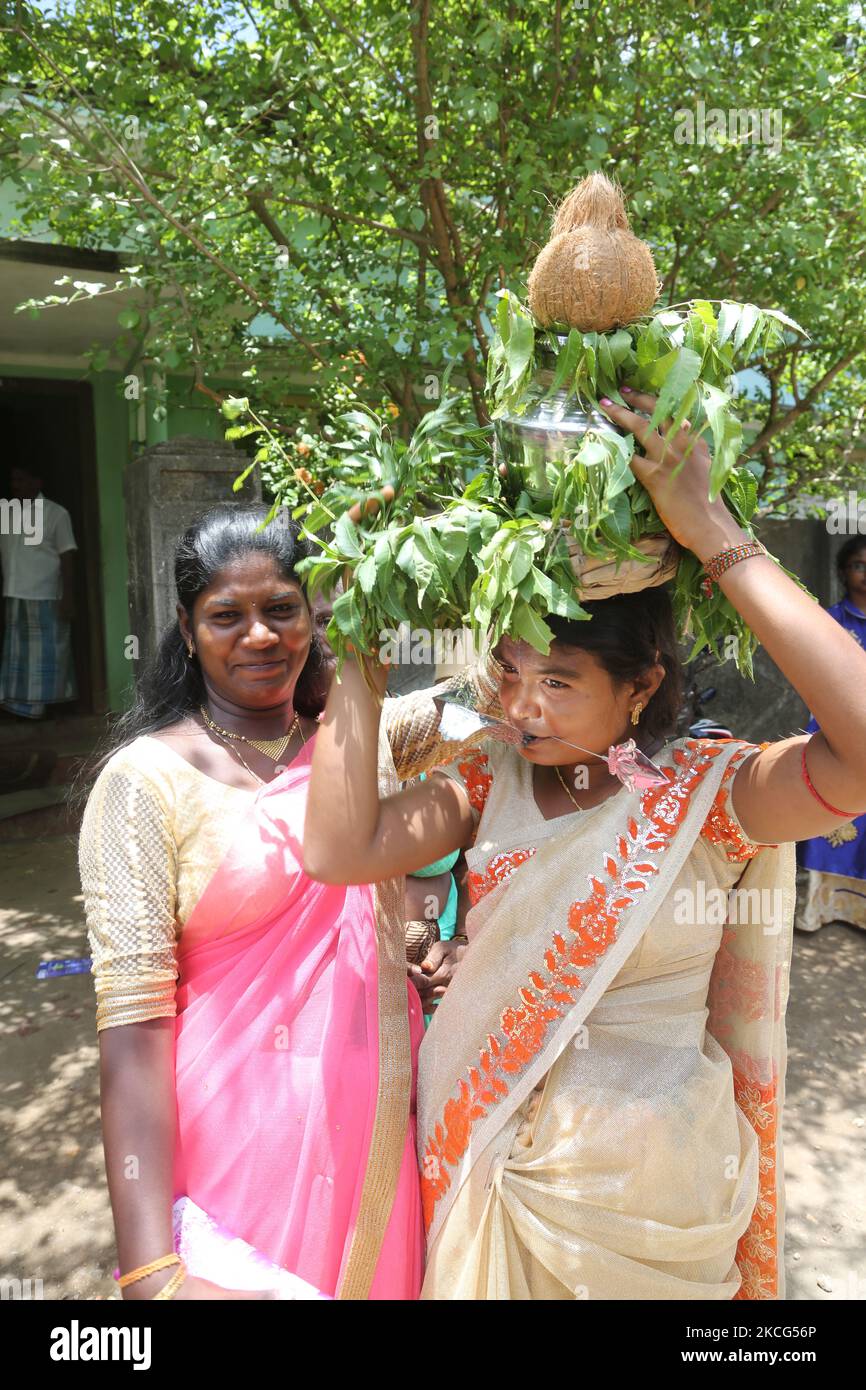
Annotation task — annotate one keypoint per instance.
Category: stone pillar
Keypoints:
(167, 487)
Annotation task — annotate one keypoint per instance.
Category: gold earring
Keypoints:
(635, 714)
(190, 650)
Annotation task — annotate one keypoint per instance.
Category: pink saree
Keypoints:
(290, 1124)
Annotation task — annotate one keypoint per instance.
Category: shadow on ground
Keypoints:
(55, 1220)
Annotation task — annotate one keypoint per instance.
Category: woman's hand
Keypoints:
(827, 669)
(681, 497)
(433, 976)
(368, 506)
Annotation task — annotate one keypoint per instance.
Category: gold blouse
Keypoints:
(156, 829)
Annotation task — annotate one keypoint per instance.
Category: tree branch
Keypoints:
(771, 429)
(328, 210)
(433, 198)
(370, 131)
(259, 206)
(371, 53)
(793, 369)
(125, 167)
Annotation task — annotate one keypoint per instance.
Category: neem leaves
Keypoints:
(492, 553)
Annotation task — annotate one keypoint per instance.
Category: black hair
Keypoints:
(171, 685)
(847, 552)
(628, 634)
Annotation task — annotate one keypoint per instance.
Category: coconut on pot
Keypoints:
(594, 273)
(559, 517)
(593, 276)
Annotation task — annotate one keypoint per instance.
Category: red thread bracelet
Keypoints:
(834, 810)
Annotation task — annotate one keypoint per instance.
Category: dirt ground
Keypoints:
(55, 1220)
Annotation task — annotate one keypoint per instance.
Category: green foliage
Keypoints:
(685, 356)
(285, 163)
(481, 563)
(471, 564)
(319, 480)
(354, 186)
(497, 558)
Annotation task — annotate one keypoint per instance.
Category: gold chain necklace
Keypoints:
(273, 748)
(239, 755)
(565, 788)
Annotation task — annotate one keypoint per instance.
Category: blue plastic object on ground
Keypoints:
(49, 968)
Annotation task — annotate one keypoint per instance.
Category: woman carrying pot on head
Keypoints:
(600, 1090)
(257, 1033)
(836, 860)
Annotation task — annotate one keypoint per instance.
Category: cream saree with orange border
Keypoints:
(600, 1091)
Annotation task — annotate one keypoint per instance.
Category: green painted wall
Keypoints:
(111, 423)
(189, 412)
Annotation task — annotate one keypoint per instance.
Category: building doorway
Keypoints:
(48, 425)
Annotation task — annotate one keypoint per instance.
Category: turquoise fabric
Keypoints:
(438, 867)
(448, 919)
(447, 925)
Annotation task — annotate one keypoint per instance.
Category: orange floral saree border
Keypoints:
(498, 869)
(757, 1256)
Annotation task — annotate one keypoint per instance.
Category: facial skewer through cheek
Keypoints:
(624, 760)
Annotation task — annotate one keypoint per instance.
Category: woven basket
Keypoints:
(600, 577)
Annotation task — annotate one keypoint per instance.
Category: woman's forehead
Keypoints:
(255, 571)
(565, 659)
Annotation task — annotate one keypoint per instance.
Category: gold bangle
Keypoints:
(170, 1289)
(143, 1270)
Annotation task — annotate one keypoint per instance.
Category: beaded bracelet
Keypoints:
(717, 564)
(834, 810)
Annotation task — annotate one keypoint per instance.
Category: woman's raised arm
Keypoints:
(771, 797)
(350, 834)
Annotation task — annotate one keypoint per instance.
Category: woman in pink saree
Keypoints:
(258, 1034)
(277, 1058)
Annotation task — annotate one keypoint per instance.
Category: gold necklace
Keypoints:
(273, 748)
(565, 788)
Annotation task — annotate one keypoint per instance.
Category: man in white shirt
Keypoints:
(37, 550)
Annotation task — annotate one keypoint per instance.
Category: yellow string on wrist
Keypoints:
(170, 1289)
(143, 1270)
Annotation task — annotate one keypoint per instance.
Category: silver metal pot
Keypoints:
(536, 444)
(550, 430)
